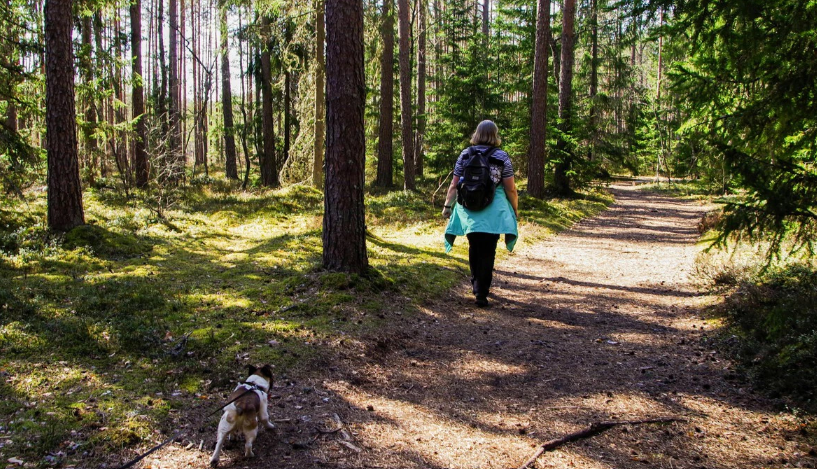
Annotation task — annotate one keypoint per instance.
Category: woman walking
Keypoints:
(482, 226)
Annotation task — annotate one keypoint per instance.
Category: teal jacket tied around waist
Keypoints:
(497, 218)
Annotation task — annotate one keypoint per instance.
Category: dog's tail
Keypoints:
(239, 409)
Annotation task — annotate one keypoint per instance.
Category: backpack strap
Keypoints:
(472, 150)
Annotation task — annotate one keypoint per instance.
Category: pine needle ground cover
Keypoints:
(107, 333)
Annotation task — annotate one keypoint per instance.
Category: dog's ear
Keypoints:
(252, 369)
(266, 370)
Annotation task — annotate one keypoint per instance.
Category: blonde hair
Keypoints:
(486, 134)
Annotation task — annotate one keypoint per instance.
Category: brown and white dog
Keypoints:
(244, 414)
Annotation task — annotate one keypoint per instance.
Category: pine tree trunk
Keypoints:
(320, 97)
(561, 180)
(538, 127)
(594, 76)
(660, 61)
(177, 156)
(89, 140)
(140, 158)
(161, 101)
(344, 227)
(230, 165)
(269, 173)
(287, 98)
(64, 190)
(287, 115)
(422, 6)
(385, 149)
(404, 31)
(119, 140)
(245, 120)
(101, 108)
(486, 17)
(11, 122)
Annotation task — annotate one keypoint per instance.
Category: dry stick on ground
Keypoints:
(592, 430)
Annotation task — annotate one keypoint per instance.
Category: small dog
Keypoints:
(249, 407)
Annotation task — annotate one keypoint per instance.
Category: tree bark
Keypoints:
(269, 173)
(320, 97)
(287, 97)
(177, 156)
(422, 6)
(538, 128)
(385, 149)
(64, 190)
(404, 31)
(660, 61)
(344, 228)
(140, 158)
(230, 165)
(594, 76)
(486, 17)
(561, 180)
(91, 146)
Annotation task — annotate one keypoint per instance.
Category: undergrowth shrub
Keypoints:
(772, 324)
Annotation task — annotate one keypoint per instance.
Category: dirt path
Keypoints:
(596, 324)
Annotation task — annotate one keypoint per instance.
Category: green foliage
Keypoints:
(748, 86)
(773, 320)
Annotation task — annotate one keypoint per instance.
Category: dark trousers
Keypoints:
(481, 255)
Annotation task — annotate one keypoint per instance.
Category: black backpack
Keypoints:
(475, 191)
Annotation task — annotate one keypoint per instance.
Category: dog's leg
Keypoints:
(264, 414)
(249, 437)
(225, 426)
(265, 419)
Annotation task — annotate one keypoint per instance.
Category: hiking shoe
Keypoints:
(482, 301)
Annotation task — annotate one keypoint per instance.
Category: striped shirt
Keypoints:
(497, 172)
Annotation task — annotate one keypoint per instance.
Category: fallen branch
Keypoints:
(442, 183)
(594, 429)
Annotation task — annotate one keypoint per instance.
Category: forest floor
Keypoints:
(602, 322)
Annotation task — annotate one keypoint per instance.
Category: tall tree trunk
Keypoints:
(161, 104)
(320, 98)
(486, 17)
(64, 189)
(594, 76)
(269, 173)
(100, 66)
(87, 73)
(177, 156)
(230, 166)
(422, 6)
(246, 121)
(287, 96)
(287, 114)
(385, 149)
(561, 179)
(538, 127)
(404, 31)
(11, 121)
(344, 225)
(118, 140)
(660, 60)
(140, 158)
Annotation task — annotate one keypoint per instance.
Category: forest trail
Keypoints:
(598, 323)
